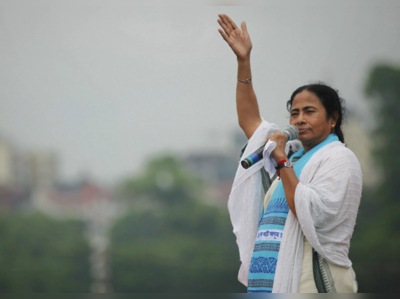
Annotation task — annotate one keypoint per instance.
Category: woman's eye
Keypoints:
(293, 114)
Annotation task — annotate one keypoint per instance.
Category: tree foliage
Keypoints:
(38, 254)
(185, 249)
(165, 181)
(383, 87)
(376, 241)
(182, 245)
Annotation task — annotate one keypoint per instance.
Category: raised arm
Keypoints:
(246, 100)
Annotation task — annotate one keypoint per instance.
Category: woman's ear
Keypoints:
(335, 117)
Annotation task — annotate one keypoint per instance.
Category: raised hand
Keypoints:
(238, 40)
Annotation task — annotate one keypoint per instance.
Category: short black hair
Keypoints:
(329, 98)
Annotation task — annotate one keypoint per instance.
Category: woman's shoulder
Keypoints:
(337, 156)
(345, 153)
(337, 150)
(334, 155)
(331, 162)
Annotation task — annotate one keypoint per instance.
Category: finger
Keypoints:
(244, 27)
(279, 134)
(224, 36)
(268, 138)
(231, 23)
(227, 30)
(228, 24)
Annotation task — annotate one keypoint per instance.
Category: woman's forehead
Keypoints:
(304, 99)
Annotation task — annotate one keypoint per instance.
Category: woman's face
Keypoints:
(309, 116)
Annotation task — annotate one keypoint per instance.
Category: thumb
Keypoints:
(244, 27)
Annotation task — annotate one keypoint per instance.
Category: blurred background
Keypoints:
(119, 139)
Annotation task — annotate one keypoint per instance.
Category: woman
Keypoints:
(297, 239)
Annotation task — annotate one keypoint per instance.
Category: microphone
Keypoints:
(291, 132)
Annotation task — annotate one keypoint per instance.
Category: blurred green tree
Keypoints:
(165, 181)
(178, 245)
(376, 242)
(41, 255)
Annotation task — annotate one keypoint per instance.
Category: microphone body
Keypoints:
(291, 132)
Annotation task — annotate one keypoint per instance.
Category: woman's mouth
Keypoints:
(302, 131)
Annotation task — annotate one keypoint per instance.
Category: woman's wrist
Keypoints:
(245, 60)
(280, 157)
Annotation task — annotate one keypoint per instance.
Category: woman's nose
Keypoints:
(300, 119)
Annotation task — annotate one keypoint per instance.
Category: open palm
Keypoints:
(238, 40)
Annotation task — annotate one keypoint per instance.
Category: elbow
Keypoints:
(249, 127)
(245, 129)
(242, 125)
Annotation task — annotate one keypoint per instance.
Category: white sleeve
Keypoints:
(245, 200)
(327, 200)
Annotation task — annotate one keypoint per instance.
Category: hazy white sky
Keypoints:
(106, 87)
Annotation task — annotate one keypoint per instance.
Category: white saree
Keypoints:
(326, 199)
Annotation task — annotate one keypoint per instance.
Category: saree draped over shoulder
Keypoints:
(326, 200)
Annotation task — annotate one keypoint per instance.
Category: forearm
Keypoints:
(246, 100)
(290, 182)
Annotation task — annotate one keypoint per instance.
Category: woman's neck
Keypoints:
(309, 144)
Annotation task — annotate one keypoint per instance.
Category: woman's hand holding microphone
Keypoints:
(278, 154)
